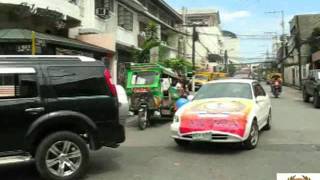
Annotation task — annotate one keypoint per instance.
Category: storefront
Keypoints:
(18, 42)
(124, 56)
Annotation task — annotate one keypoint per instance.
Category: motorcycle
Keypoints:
(143, 117)
(276, 89)
(144, 114)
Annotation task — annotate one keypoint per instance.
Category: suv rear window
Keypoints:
(18, 86)
(77, 81)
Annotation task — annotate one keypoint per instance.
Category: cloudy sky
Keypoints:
(249, 17)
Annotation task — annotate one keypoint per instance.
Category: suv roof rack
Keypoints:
(40, 57)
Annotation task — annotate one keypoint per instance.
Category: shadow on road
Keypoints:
(103, 161)
(156, 123)
(25, 171)
(209, 148)
(99, 163)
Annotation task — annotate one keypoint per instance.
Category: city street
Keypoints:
(292, 145)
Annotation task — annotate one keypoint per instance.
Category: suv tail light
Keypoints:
(109, 83)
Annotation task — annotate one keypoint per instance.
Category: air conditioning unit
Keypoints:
(102, 12)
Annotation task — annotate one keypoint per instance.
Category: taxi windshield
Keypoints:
(224, 90)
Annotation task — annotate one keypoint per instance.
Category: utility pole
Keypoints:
(195, 37)
(33, 43)
(283, 44)
(226, 61)
(298, 46)
(282, 38)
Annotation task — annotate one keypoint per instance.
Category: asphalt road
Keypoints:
(292, 145)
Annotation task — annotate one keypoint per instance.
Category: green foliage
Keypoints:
(152, 40)
(232, 69)
(181, 66)
(143, 56)
(152, 31)
(314, 40)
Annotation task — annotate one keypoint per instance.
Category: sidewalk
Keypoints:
(293, 91)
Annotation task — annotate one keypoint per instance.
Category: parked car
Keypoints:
(123, 104)
(53, 109)
(311, 88)
(224, 111)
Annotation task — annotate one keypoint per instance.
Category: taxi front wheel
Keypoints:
(253, 138)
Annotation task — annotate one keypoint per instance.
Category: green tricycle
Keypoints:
(151, 91)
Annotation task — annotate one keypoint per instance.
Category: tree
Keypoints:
(232, 69)
(152, 40)
(179, 65)
(314, 40)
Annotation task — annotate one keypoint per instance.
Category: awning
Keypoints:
(24, 35)
(316, 56)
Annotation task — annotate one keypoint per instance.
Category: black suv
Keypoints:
(52, 108)
(311, 88)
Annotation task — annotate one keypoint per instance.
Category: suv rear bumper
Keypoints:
(109, 135)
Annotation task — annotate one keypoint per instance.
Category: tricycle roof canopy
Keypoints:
(149, 66)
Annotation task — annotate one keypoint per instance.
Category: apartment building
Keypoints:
(105, 29)
(210, 46)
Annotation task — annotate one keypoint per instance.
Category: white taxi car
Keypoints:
(224, 111)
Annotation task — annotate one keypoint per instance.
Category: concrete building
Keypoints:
(124, 30)
(167, 20)
(232, 46)
(51, 21)
(210, 47)
(301, 27)
(113, 28)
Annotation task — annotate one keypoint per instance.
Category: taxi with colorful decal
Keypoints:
(224, 111)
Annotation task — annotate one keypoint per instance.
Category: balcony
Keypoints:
(69, 8)
(58, 14)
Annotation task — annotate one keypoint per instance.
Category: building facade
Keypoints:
(124, 30)
(47, 23)
(298, 59)
(108, 29)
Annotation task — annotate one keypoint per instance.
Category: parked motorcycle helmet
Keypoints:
(181, 102)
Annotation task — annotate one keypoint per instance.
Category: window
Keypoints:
(108, 4)
(125, 18)
(18, 86)
(259, 91)
(153, 9)
(77, 81)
